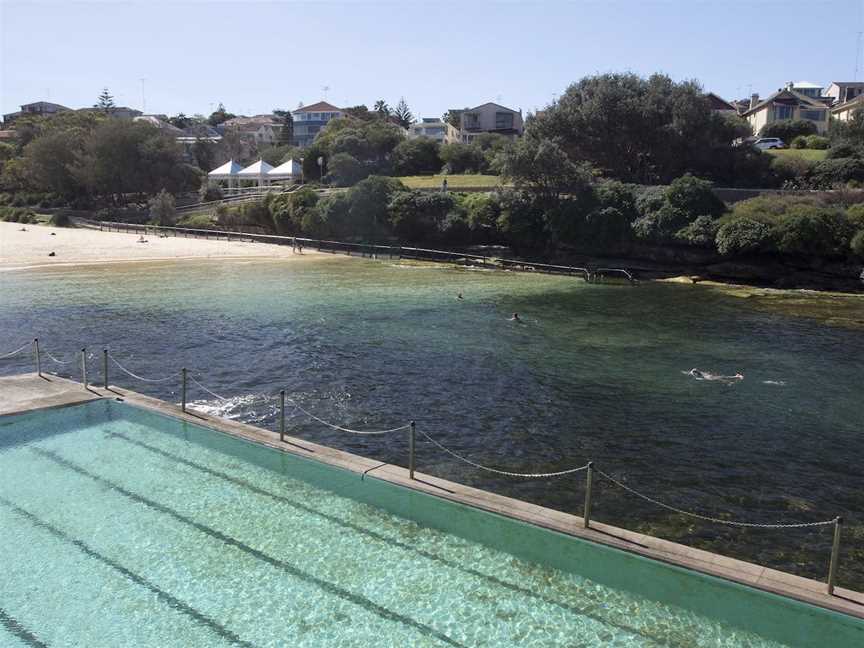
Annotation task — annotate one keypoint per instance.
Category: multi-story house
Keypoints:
(490, 118)
(263, 130)
(37, 108)
(842, 91)
(846, 110)
(309, 120)
(434, 128)
(784, 104)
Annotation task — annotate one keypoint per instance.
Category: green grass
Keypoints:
(811, 155)
(454, 182)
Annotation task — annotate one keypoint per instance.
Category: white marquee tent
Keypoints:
(289, 170)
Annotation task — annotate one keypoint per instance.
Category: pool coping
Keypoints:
(30, 392)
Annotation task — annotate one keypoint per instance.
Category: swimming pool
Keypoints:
(122, 526)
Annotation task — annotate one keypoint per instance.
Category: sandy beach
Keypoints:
(71, 246)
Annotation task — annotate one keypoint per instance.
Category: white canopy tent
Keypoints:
(227, 171)
(257, 171)
(290, 170)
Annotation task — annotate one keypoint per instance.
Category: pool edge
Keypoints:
(803, 590)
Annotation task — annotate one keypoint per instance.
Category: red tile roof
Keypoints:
(321, 106)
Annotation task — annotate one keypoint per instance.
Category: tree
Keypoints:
(462, 158)
(419, 215)
(403, 114)
(369, 199)
(382, 108)
(635, 129)
(416, 157)
(286, 132)
(453, 117)
(105, 102)
(542, 168)
(345, 170)
(219, 115)
(789, 129)
(163, 209)
(181, 121)
(743, 236)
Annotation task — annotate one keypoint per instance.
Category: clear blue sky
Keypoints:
(254, 57)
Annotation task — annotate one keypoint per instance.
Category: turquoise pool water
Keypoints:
(122, 527)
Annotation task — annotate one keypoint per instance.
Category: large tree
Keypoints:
(635, 129)
(105, 101)
(403, 114)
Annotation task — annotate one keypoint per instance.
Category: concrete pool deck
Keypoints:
(29, 392)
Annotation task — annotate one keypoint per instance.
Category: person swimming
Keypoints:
(459, 296)
(515, 318)
(698, 374)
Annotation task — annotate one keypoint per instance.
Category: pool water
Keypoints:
(122, 527)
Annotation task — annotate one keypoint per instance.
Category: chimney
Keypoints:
(754, 99)
(789, 85)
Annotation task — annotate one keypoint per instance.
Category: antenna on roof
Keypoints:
(857, 54)
(325, 90)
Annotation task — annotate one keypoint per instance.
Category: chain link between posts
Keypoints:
(141, 378)
(16, 351)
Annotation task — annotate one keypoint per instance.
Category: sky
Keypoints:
(255, 57)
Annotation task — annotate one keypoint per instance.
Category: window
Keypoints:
(813, 115)
(782, 112)
(503, 120)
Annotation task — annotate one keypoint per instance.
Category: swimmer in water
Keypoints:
(515, 318)
(459, 296)
(698, 374)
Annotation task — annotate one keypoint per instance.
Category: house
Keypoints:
(718, 104)
(37, 108)
(842, 91)
(811, 90)
(156, 122)
(490, 118)
(844, 111)
(787, 103)
(434, 128)
(309, 120)
(263, 130)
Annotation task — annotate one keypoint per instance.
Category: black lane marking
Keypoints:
(286, 567)
(14, 626)
(172, 601)
(395, 543)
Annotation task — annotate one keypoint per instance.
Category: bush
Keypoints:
(60, 219)
(790, 169)
(481, 211)
(346, 170)
(743, 236)
(831, 173)
(844, 150)
(694, 197)
(419, 215)
(700, 233)
(809, 231)
(857, 244)
(163, 209)
(650, 200)
(210, 193)
(197, 221)
(788, 129)
(816, 142)
(799, 142)
(419, 156)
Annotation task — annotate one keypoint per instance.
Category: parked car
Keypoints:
(765, 143)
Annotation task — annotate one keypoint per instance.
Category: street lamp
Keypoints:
(321, 169)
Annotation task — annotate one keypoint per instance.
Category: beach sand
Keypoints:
(86, 246)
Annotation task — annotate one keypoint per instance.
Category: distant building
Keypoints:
(490, 118)
(718, 104)
(844, 111)
(261, 129)
(434, 128)
(164, 126)
(812, 90)
(37, 108)
(309, 120)
(842, 91)
(784, 104)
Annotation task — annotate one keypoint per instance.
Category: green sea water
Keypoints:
(592, 372)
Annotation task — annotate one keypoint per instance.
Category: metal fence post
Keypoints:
(282, 415)
(38, 357)
(105, 367)
(412, 428)
(835, 555)
(589, 483)
(84, 367)
(183, 390)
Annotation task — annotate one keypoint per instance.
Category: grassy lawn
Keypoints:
(811, 155)
(454, 182)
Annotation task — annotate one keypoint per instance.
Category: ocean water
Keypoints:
(593, 372)
(123, 528)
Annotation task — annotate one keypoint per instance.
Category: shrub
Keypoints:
(742, 236)
(844, 150)
(694, 196)
(790, 168)
(346, 170)
(210, 193)
(811, 231)
(481, 210)
(419, 215)
(60, 219)
(700, 233)
(416, 157)
(196, 221)
(650, 200)
(788, 129)
(162, 208)
(816, 142)
(800, 142)
(857, 244)
(830, 173)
